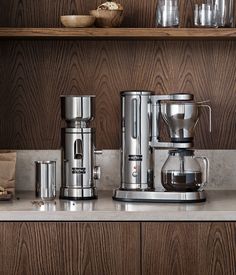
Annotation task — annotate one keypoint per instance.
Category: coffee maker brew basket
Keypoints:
(181, 118)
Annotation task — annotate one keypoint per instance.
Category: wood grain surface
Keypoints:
(121, 33)
(44, 13)
(35, 73)
(181, 248)
(45, 248)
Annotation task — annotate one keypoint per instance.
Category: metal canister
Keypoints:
(45, 179)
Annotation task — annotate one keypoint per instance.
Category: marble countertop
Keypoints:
(220, 206)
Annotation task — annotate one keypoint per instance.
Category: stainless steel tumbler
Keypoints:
(45, 177)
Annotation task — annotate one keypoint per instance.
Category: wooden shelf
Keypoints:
(119, 33)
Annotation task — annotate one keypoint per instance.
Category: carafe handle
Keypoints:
(209, 109)
(206, 171)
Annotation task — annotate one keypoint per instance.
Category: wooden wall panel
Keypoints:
(69, 248)
(35, 73)
(180, 248)
(44, 13)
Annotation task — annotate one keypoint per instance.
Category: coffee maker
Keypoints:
(141, 114)
(78, 141)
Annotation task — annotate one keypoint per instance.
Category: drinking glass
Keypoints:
(205, 16)
(225, 12)
(167, 13)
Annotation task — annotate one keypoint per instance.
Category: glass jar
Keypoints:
(182, 171)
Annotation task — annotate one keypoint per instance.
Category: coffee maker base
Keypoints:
(159, 196)
(67, 193)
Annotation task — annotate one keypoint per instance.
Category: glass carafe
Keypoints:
(182, 171)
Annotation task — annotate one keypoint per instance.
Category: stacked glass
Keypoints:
(214, 13)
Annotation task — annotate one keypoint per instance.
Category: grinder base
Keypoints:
(158, 196)
(68, 193)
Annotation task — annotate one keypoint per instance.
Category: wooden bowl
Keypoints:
(107, 18)
(77, 21)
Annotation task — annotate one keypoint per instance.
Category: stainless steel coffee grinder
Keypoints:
(78, 141)
(140, 135)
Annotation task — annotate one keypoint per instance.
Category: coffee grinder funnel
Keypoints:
(78, 111)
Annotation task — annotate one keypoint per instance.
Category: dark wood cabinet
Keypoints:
(181, 248)
(103, 248)
(69, 248)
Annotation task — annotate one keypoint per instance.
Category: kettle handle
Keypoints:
(206, 166)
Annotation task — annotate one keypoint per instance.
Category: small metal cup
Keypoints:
(45, 180)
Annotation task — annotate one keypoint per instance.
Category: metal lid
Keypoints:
(181, 152)
(78, 130)
(136, 92)
(187, 96)
(45, 161)
(175, 102)
(77, 95)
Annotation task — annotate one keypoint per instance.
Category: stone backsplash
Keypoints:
(222, 168)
